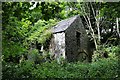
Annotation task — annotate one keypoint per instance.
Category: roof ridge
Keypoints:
(64, 24)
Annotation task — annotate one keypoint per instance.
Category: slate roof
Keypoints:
(64, 24)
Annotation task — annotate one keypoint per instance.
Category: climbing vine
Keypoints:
(41, 31)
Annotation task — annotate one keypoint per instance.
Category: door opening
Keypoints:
(78, 38)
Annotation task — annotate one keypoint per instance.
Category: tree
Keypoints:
(19, 23)
(97, 18)
(110, 12)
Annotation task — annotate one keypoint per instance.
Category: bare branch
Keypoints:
(87, 18)
(117, 19)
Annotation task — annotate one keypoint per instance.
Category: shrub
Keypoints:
(13, 71)
(103, 68)
(105, 52)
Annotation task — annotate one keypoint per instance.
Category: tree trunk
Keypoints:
(117, 23)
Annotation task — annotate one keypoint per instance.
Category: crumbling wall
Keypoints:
(73, 51)
(71, 43)
(57, 46)
(65, 43)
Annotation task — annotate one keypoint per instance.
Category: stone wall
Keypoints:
(73, 51)
(57, 45)
(65, 43)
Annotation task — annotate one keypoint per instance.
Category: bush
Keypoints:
(13, 71)
(104, 68)
(27, 69)
(105, 52)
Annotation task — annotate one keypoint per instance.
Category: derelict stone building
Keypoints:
(70, 40)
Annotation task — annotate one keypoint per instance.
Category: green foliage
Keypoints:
(14, 50)
(22, 26)
(33, 55)
(41, 31)
(105, 68)
(110, 51)
(114, 51)
(110, 10)
(13, 71)
(15, 26)
(18, 31)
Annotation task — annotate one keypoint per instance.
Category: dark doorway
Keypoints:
(78, 38)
